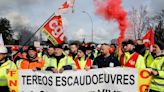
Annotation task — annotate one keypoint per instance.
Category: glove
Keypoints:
(38, 68)
(67, 67)
(49, 68)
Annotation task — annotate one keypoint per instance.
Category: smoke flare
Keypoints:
(112, 10)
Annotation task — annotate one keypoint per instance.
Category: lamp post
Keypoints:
(91, 22)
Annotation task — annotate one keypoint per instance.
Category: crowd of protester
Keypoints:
(58, 58)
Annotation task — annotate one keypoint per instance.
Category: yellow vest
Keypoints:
(41, 56)
(82, 63)
(157, 82)
(3, 71)
(50, 61)
(148, 58)
(67, 60)
(140, 63)
(18, 62)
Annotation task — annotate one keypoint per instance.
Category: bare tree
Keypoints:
(139, 21)
(6, 30)
(159, 29)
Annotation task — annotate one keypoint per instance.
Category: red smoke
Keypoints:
(111, 9)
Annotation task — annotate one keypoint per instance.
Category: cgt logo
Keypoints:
(57, 30)
(144, 74)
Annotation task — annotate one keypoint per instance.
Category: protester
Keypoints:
(73, 50)
(105, 59)
(141, 49)
(112, 50)
(66, 49)
(50, 60)
(90, 52)
(41, 53)
(94, 52)
(98, 48)
(24, 54)
(82, 61)
(32, 60)
(64, 62)
(130, 58)
(157, 82)
(5, 66)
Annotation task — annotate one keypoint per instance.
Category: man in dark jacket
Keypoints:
(105, 59)
(73, 50)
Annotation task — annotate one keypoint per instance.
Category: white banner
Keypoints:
(95, 80)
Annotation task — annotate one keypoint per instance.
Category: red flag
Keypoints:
(54, 30)
(148, 39)
(14, 47)
(66, 7)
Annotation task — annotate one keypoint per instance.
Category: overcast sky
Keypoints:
(77, 25)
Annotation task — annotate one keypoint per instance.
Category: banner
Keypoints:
(53, 30)
(13, 81)
(95, 80)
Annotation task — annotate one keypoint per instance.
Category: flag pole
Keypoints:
(35, 33)
(73, 6)
(45, 23)
(38, 29)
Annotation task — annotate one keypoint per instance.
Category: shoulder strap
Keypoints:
(11, 64)
(122, 59)
(77, 64)
(50, 61)
(18, 62)
(132, 60)
(66, 63)
(88, 62)
(146, 59)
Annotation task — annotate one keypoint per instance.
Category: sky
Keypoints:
(77, 25)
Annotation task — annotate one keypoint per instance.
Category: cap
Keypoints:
(130, 42)
(82, 48)
(31, 48)
(124, 43)
(59, 46)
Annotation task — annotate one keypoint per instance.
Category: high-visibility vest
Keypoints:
(66, 60)
(157, 82)
(148, 58)
(50, 61)
(81, 64)
(26, 64)
(41, 56)
(3, 71)
(18, 62)
(132, 60)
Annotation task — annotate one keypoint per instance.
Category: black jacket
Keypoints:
(102, 61)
